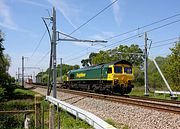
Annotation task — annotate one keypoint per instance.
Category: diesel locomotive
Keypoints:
(112, 77)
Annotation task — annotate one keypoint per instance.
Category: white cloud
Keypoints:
(5, 16)
(34, 3)
(69, 12)
(116, 12)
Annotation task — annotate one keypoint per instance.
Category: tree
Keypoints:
(132, 54)
(43, 76)
(88, 62)
(123, 52)
(173, 66)
(1, 50)
(6, 89)
(155, 79)
(85, 62)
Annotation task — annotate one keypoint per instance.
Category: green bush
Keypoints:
(6, 86)
(11, 121)
(2, 95)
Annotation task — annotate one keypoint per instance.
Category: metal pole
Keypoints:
(146, 66)
(41, 75)
(54, 62)
(54, 52)
(61, 80)
(35, 77)
(59, 113)
(169, 88)
(18, 74)
(23, 71)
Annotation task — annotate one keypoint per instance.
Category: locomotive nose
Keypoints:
(123, 78)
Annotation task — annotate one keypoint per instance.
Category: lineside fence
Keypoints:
(90, 118)
(36, 115)
(28, 117)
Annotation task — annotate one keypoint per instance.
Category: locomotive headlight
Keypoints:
(122, 78)
(115, 81)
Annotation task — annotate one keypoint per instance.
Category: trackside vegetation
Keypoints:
(169, 65)
(6, 81)
(15, 98)
(24, 100)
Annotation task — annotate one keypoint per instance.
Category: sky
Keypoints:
(23, 27)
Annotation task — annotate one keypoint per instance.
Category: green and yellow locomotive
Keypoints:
(112, 77)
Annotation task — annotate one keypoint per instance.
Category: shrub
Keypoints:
(2, 95)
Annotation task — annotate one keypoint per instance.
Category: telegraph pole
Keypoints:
(61, 80)
(41, 75)
(23, 71)
(54, 52)
(146, 65)
(18, 74)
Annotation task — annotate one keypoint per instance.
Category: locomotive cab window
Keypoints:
(117, 69)
(128, 70)
(109, 70)
(71, 76)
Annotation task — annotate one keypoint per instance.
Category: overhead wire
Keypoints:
(130, 30)
(165, 40)
(39, 43)
(75, 58)
(152, 43)
(144, 26)
(153, 29)
(163, 25)
(40, 61)
(135, 36)
(163, 45)
(104, 47)
(92, 18)
(142, 45)
(164, 19)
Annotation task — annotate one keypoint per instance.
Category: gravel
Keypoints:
(132, 116)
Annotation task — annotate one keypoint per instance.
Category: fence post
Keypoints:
(59, 113)
(51, 116)
(37, 112)
(42, 117)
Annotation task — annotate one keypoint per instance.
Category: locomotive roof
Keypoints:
(100, 65)
(120, 62)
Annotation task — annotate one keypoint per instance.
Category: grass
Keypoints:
(24, 92)
(23, 99)
(67, 120)
(116, 125)
(139, 91)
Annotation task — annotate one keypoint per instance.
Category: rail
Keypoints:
(90, 118)
(159, 104)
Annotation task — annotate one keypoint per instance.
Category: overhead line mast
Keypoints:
(146, 65)
(53, 60)
(54, 52)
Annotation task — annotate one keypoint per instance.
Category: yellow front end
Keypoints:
(121, 76)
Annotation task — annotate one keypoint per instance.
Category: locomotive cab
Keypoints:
(121, 75)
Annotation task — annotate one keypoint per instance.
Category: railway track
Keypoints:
(157, 104)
